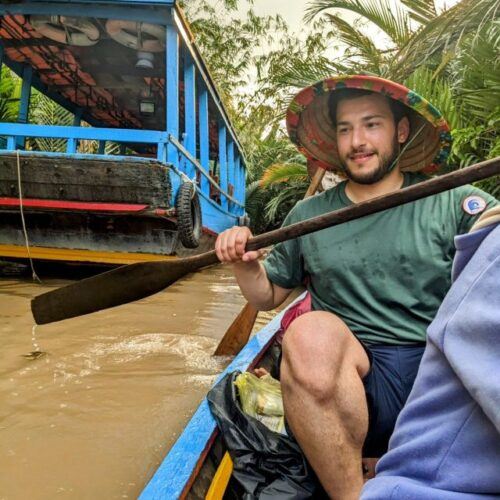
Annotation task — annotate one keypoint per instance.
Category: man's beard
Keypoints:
(386, 165)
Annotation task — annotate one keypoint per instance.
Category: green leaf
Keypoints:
(284, 173)
(368, 53)
(421, 11)
(391, 19)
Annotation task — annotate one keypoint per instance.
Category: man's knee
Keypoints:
(316, 346)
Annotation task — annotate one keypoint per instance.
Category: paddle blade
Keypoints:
(238, 333)
(112, 288)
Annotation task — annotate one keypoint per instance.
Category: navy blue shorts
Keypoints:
(388, 384)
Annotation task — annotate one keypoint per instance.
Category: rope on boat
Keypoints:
(26, 240)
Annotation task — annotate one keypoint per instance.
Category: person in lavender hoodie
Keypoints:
(446, 444)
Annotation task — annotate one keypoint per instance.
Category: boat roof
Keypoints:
(103, 86)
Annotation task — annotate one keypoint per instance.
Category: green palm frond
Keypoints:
(253, 197)
(254, 202)
(438, 92)
(301, 72)
(44, 111)
(10, 91)
(421, 11)
(280, 204)
(364, 48)
(391, 19)
(477, 72)
(285, 172)
(112, 148)
(443, 33)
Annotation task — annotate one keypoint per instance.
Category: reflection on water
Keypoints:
(93, 414)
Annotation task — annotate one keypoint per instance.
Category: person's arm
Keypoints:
(250, 273)
(472, 337)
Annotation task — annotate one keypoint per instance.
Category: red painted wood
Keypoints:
(73, 205)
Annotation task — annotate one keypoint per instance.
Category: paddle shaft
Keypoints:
(423, 189)
(430, 187)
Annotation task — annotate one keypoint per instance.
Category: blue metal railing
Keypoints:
(73, 134)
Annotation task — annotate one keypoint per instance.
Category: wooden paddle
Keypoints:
(239, 331)
(136, 281)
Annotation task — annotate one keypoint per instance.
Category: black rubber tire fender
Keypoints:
(188, 210)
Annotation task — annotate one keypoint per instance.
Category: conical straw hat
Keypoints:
(310, 127)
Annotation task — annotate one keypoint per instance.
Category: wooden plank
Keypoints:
(25, 94)
(86, 180)
(72, 205)
(72, 255)
(231, 174)
(172, 98)
(144, 10)
(77, 119)
(121, 135)
(221, 478)
(240, 185)
(24, 104)
(71, 145)
(88, 231)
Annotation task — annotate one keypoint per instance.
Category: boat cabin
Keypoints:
(122, 149)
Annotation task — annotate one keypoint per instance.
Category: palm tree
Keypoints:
(414, 32)
(10, 92)
(44, 111)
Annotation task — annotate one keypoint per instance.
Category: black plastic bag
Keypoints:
(266, 464)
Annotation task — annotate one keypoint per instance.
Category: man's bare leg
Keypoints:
(325, 404)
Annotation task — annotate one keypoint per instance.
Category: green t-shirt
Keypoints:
(385, 274)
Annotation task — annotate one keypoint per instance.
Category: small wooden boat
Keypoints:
(197, 466)
(146, 165)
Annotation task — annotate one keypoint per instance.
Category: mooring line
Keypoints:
(26, 240)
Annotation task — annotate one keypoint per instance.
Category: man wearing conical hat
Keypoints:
(374, 284)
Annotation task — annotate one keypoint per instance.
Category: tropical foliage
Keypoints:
(240, 49)
(449, 56)
(45, 111)
(10, 91)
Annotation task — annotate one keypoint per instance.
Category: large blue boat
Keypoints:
(150, 166)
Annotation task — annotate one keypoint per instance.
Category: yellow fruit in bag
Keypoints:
(261, 399)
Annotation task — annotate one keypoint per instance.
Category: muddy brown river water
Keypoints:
(94, 416)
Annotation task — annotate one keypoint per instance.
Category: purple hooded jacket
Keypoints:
(446, 444)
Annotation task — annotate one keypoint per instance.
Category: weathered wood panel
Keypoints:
(91, 232)
(87, 180)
